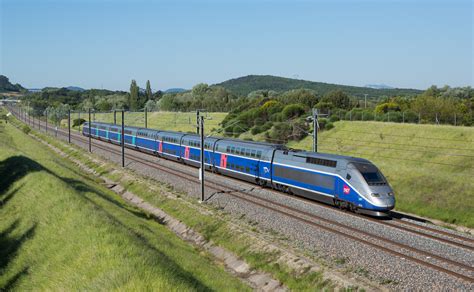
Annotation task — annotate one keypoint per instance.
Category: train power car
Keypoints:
(347, 182)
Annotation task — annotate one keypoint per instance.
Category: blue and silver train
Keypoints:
(347, 182)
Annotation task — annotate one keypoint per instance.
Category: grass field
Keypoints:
(61, 230)
(172, 121)
(430, 167)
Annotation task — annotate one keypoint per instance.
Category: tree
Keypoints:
(148, 92)
(150, 105)
(338, 98)
(133, 101)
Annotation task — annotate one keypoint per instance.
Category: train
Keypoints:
(351, 183)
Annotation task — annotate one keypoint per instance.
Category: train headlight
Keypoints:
(375, 195)
(390, 194)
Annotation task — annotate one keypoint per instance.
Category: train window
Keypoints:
(370, 173)
(232, 150)
(259, 154)
(320, 161)
(348, 176)
(254, 153)
(247, 169)
(227, 149)
(305, 177)
(247, 152)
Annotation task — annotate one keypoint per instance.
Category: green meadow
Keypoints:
(430, 167)
(61, 230)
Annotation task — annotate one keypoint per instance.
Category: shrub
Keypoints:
(78, 122)
(300, 130)
(386, 107)
(256, 130)
(293, 111)
(329, 126)
(277, 117)
(267, 126)
(271, 107)
(279, 133)
(26, 129)
(333, 118)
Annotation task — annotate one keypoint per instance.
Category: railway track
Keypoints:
(418, 256)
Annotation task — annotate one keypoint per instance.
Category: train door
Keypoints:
(341, 170)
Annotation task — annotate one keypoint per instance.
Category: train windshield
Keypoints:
(370, 173)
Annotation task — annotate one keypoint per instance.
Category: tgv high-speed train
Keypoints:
(343, 181)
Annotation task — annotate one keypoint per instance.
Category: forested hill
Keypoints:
(244, 85)
(6, 86)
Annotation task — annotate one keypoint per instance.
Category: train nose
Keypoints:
(385, 199)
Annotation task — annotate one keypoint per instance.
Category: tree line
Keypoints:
(279, 116)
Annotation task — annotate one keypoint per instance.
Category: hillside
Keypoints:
(244, 85)
(62, 231)
(7, 86)
(430, 167)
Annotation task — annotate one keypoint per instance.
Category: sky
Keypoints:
(106, 44)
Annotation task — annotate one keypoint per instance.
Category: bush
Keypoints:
(300, 130)
(411, 117)
(78, 122)
(293, 111)
(277, 117)
(329, 126)
(256, 130)
(333, 118)
(267, 126)
(279, 133)
(26, 129)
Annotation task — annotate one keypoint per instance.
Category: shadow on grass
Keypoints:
(14, 168)
(9, 247)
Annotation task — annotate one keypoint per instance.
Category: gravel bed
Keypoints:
(397, 273)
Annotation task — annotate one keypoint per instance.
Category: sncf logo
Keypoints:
(346, 189)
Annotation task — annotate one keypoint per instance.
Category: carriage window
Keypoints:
(254, 153)
(306, 177)
(259, 154)
(247, 152)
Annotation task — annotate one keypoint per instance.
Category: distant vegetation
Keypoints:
(242, 86)
(283, 117)
(6, 86)
(273, 107)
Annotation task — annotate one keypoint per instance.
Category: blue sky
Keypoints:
(96, 44)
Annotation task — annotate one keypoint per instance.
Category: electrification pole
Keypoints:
(315, 130)
(90, 135)
(115, 117)
(201, 174)
(122, 138)
(197, 122)
(46, 121)
(69, 126)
